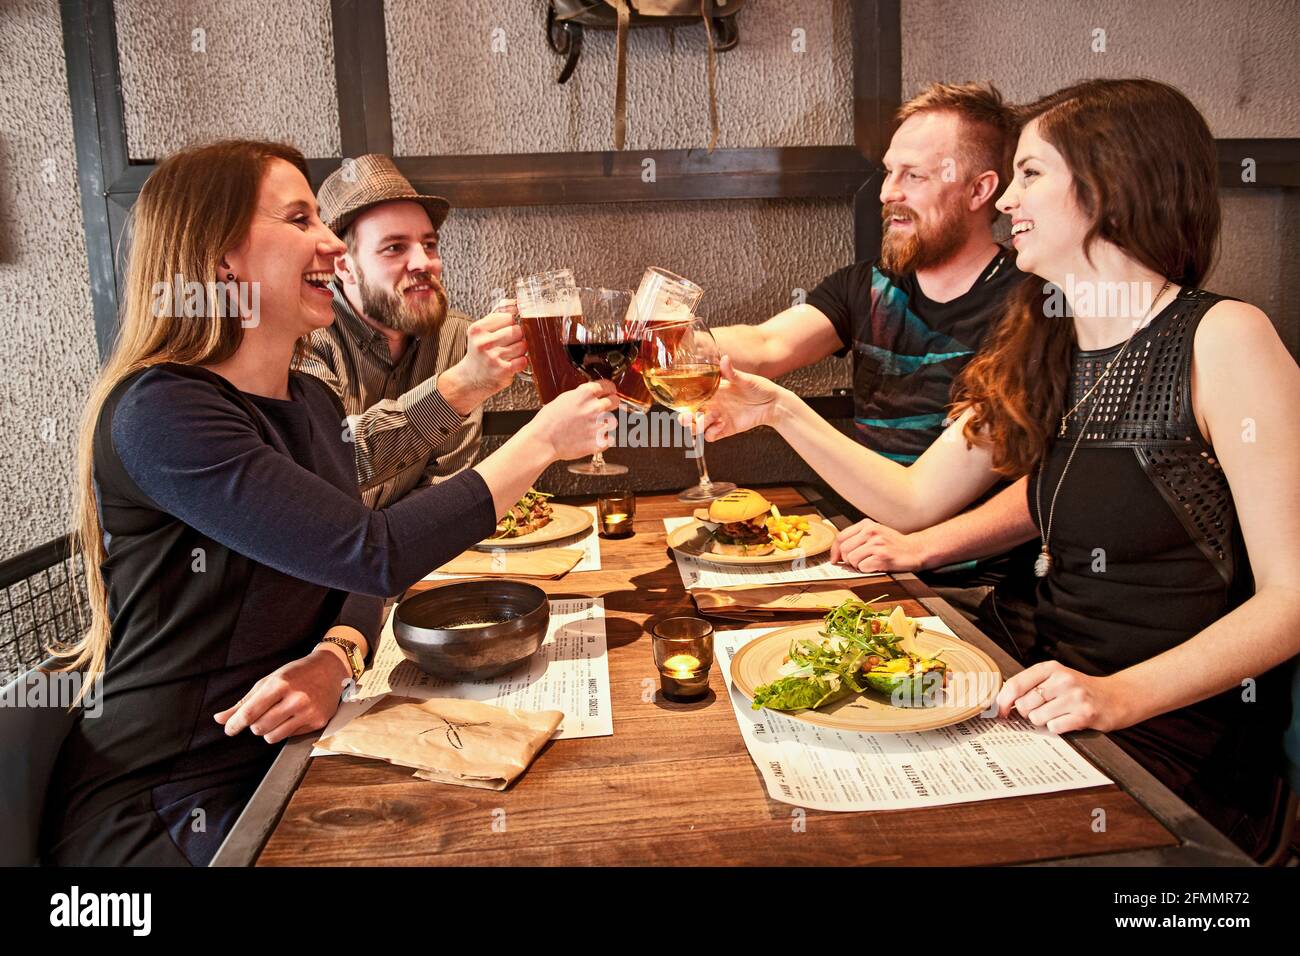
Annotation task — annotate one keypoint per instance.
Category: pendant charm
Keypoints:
(1042, 564)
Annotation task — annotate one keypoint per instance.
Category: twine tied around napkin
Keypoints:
(447, 740)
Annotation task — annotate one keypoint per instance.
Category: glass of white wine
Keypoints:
(680, 365)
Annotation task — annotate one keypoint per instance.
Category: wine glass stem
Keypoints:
(705, 481)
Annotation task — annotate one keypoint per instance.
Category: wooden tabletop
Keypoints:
(675, 785)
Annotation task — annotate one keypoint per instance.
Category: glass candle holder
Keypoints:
(683, 652)
(614, 513)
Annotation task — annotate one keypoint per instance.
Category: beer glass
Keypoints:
(544, 302)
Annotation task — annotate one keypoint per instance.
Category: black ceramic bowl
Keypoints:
(469, 630)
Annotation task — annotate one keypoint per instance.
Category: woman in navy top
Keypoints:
(220, 519)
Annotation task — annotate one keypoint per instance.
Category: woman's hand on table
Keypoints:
(578, 422)
(742, 402)
(871, 546)
(298, 697)
(1061, 699)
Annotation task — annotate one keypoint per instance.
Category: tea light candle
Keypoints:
(682, 665)
(615, 513)
(683, 652)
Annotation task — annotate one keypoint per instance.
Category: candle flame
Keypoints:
(682, 665)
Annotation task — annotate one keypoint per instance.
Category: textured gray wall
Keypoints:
(1235, 61)
(492, 88)
(268, 71)
(47, 334)
(193, 71)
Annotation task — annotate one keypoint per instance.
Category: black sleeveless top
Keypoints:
(1146, 552)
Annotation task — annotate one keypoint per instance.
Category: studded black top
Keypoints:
(1145, 545)
(1146, 552)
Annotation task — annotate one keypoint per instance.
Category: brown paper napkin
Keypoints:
(548, 563)
(446, 740)
(768, 600)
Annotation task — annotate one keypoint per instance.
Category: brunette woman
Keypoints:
(236, 580)
(1153, 425)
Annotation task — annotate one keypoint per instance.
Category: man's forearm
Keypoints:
(792, 339)
(994, 527)
(458, 392)
(746, 344)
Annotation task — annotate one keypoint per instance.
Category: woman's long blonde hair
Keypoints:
(195, 207)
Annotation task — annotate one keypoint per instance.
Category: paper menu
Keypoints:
(569, 673)
(589, 543)
(822, 769)
(704, 574)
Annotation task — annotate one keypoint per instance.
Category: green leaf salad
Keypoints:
(857, 649)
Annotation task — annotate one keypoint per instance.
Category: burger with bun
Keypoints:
(738, 522)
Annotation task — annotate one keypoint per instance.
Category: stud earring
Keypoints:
(230, 277)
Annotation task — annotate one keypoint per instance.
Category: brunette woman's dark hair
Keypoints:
(1145, 172)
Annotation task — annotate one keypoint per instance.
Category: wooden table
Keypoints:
(675, 785)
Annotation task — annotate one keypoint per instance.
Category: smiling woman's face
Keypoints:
(289, 253)
(1047, 224)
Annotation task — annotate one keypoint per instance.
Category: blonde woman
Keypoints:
(235, 577)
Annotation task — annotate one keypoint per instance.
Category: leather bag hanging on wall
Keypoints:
(567, 19)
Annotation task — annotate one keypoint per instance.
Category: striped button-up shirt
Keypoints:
(406, 434)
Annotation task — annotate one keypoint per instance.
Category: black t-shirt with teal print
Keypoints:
(906, 348)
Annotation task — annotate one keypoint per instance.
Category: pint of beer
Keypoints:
(546, 301)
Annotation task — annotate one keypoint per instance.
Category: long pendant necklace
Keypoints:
(1043, 563)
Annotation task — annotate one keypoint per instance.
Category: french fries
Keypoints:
(786, 531)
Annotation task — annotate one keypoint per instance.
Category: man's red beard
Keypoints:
(418, 316)
(929, 243)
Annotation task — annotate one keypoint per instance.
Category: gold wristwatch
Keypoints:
(355, 660)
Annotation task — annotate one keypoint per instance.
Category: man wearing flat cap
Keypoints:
(412, 374)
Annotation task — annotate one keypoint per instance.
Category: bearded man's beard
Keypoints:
(418, 316)
(930, 242)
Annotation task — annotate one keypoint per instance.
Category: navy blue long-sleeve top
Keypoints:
(235, 538)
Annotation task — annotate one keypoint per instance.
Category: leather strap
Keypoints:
(713, 70)
(620, 82)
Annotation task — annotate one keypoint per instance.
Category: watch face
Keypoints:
(353, 652)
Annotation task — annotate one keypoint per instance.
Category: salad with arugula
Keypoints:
(857, 649)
